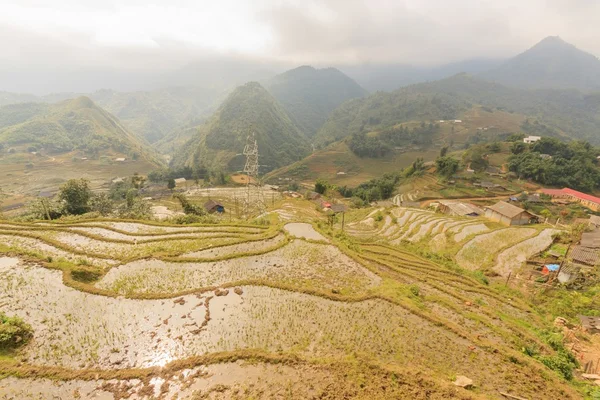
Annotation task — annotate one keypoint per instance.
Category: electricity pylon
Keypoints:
(254, 195)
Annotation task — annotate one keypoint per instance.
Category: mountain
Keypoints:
(550, 64)
(382, 110)
(310, 94)
(250, 108)
(14, 98)
(154, 114)
(565, 112)
(389, 77)
(150, 114)
(77, 124)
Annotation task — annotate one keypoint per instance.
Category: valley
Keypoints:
(252, 233)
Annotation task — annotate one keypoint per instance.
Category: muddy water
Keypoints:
(303, 230)
(29, 244)
(236, 248)
(106, 233)
(299, 263)
(134, 227)
(79, 330)
(229, 378)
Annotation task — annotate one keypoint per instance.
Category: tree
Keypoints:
(189, 208)
(101, 203)
(76, 194)
(446, 166)
(130, 197)
(171, 184)
(443, 151)
(518, 147)
(320, 186)
(494, 147)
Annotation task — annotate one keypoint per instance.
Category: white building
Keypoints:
(531, 139)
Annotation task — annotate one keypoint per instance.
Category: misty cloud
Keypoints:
(63, 36)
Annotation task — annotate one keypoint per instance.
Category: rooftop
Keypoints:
(585, 255)
(508, 210)
(582, 196)
(461, 208)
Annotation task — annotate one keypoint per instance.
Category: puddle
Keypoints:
(299, 263)
(304, 230)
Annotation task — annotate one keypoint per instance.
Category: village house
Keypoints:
(508, 214)
(459, 208)
(180, 181)
(212, 206)
(531, 139)
(586, 200)
(313, 196)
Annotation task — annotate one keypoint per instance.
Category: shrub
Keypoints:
(86, 274)
(13, 332)
(414, 289)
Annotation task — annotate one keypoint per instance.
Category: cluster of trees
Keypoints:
(364, 145)
(555, 163)
(75, 197)
(402, 135)
(216, 176)
(368, 146)
(373, 190)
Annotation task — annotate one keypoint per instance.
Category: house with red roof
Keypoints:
(587, 200)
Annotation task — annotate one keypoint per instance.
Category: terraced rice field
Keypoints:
(134, 310)
(474, 243)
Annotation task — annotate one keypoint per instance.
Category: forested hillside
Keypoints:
(155, 114)
(77, 124)
(570, 112)
(310, 94)
(383, 110)
(250, 109)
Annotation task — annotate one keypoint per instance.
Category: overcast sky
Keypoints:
(142, 33)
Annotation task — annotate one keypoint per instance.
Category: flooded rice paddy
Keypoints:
(80, 330)
(304, 230)
(301, 264)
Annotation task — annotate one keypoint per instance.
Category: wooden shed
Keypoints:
(212, 206)
(459, 208)
(508, 214)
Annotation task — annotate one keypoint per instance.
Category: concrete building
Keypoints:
(508, 214)
(587, 200)
(531, 139)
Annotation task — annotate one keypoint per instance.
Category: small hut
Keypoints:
(212, 207)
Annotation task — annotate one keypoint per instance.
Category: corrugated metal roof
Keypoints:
(460, 208)
(508, 210)
(585, 255)
(591, 239)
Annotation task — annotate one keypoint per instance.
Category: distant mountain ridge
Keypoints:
(250, 108)
(77, 124)
(550, 64)
(569, 111)
(310, 94)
